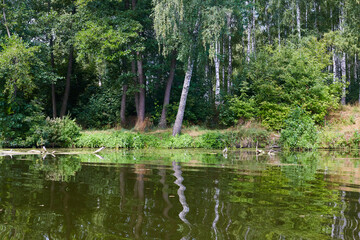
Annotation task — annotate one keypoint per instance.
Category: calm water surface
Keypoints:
(181, 194)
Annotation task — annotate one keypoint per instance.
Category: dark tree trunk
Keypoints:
(53, 96)
(67, 86)
(68, 78)
(140, 97)
(162, 123)
(123, 106)
(133, 71)
(141, 112)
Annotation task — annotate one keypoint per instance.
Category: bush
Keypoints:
(281, 78)
(180, 141)
(299, 131)
(236, 109)
(58, 132)
(273, 115)
(213, 140)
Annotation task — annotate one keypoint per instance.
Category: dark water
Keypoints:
(180, 195)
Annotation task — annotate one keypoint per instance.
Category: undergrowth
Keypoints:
(242, 137)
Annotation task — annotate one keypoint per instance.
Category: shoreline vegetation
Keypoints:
(340, 131)
(220, 74)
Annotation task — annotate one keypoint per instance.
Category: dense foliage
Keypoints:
(299, 131)
(141, 63)
(280, 78)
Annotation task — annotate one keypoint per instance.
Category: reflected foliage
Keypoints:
(179, 193)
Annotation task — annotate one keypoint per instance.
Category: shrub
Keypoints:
(180, 141)
(299, 131)
(58, 132)
(236, 109)
(214, 140)
(273, 115)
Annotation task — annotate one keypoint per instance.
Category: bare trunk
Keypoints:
(223, 67)
(348, 74)
(298, 19)
(67, 86)
(162, 123)
(140, 99)
(133, 71)
(343, 78)
(184, 93)
(53, 96)
(253, 41)
(267, 24)
(141, 112)
(279, 34)
(123, 105)
(217, 73)
(306, 15)
(343, 59)
(229, 67)
(208, 84)
(315, 22)
(249, 41)
(356, 73)
(5, 22)
(334, 66)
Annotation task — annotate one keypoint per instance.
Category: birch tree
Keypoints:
(177, 23)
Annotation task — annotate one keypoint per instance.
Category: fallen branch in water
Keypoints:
(44, 152)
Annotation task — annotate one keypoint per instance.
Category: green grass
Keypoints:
(191, 138)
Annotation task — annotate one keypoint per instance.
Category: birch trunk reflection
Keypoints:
(181, 194)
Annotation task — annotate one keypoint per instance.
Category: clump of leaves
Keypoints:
(58, 132)
(299, 131)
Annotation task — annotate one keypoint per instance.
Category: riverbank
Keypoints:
(339, 131)
(247, 136)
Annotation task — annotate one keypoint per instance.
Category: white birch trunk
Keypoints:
(343, 59)
(343, 78)
(184, 93)
(298, 19)
(248, 40)
(279, 34)
(208, 84)
(253, 40)
(306, 15)
(223, 67)
(334, 66)
(217, 74)
(229, 84)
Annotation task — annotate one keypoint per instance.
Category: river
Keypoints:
(180, 194)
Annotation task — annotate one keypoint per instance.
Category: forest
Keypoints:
(71, 65)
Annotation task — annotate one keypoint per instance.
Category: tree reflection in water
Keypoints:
(295, 196)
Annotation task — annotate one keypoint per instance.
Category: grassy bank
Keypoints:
(342, 129)
(194, 137)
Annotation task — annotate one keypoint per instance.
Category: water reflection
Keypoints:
(180, 195)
